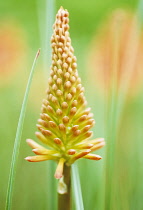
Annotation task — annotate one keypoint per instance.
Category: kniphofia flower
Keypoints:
(65, 122)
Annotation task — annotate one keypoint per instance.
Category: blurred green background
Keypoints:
(115, 182)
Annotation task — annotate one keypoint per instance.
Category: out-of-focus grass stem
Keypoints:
(116, 101)
(129, 65)
(111, 125)
(140, 11)
(131, 51)
(46, 13)
(77, 188)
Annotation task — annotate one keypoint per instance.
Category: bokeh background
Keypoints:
(108, 42)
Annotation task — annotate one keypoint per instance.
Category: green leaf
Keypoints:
(77, 188)
(18, 138)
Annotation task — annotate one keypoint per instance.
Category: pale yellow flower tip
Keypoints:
(93, 157)
(98, 146)
(37, 158)
(41, 151)
(33, 144)
(59, 170)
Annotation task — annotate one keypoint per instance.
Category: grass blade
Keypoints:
(46, 20)
(77, 188)
(18, 138)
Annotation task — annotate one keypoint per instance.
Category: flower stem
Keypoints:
(64, 200)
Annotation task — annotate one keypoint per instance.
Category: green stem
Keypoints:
(64, 200)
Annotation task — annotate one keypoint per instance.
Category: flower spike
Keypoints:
(65, 122)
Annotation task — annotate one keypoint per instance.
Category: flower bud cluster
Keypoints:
(65, 122)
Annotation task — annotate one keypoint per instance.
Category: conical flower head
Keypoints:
(65, 122)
